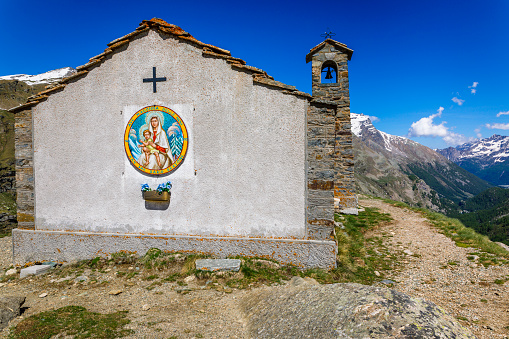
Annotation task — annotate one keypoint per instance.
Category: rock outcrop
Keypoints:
(10, 307)
(306, 310)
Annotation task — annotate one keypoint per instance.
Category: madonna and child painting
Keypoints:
(156, 140)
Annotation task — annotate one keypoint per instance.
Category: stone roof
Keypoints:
(338, 45)
(259, 76)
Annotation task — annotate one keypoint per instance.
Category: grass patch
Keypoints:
(7, 203)
(151, 277)
(360, 255)
(72, 320)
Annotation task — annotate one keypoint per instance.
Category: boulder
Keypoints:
(306, 310)
(10, 307)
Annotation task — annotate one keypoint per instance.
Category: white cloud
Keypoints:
(473, 89)
(372, 118)
(458, 101)
(478, 132)
(455, 139)
(425, 127)
(502, 113)
(498, 126)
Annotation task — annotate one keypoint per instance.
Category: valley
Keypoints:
(400, 169)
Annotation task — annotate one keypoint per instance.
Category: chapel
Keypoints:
(165, 141)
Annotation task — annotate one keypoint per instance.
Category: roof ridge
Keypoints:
(338, 44)
(165, 27)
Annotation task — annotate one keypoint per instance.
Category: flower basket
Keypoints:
(156, 196)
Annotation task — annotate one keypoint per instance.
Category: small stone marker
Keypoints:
(115, 292)
(190, 278)
(43, 295)
(11, 271)
(214, 265)
(37, 269)
(350, 211)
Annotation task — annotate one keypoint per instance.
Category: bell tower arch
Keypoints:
(329, 70)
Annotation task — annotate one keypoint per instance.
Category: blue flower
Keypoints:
(165, 187)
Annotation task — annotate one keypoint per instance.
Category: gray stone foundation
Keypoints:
(31, 246)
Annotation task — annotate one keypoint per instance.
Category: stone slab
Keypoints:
(351, 211)
(214, 265)
(34, 270)
(59, 246)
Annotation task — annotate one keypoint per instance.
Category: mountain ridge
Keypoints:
(487, 158)
(43, 78)
(401, 169)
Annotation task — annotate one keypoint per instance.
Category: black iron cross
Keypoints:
(328, 35)
(154, 79)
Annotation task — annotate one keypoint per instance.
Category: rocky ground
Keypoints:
(434, 269)
(439, 271)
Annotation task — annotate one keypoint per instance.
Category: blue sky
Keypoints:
(411, 58)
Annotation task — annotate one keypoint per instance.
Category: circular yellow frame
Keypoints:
(184, 136)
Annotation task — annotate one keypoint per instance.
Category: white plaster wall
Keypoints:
(244, 174)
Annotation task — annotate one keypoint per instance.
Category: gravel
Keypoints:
(466, 290)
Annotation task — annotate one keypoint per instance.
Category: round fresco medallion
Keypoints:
(155, 140)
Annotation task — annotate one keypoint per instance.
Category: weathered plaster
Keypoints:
(30, 246)
(244, 174)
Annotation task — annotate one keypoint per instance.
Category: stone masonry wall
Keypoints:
(24, 169)
(344, 183)
(320, 169)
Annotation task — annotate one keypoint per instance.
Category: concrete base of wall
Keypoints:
(30, 246)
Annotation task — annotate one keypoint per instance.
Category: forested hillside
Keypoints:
(487, 213)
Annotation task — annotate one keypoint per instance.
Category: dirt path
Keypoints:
(437, 270)
(463, 289)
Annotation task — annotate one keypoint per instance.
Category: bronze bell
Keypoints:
(329, 74)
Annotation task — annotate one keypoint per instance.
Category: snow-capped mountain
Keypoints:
(487, 158)
(15, 89)
(401, 169)
(364, 129)
(490, 150)
(44, 78)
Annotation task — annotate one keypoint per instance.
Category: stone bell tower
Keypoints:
(330, 83)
